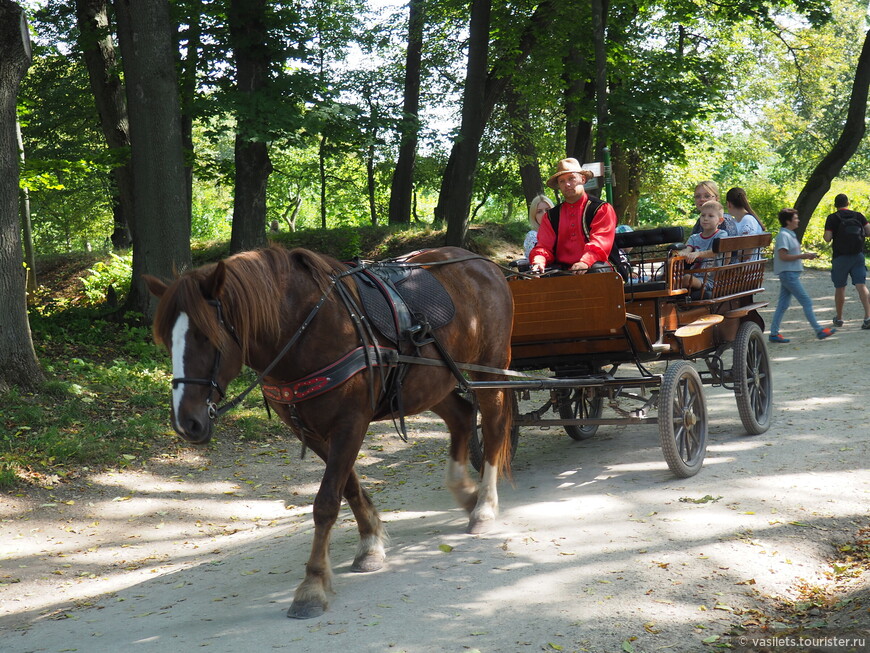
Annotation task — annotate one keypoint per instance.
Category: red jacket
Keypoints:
(572, 245)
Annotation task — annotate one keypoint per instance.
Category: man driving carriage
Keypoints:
(577, 233)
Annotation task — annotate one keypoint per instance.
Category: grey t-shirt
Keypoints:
(786, 240)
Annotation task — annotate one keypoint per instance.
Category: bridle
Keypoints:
(212, 383)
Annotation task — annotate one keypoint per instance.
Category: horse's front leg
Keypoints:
(310, 599)
(370, 554)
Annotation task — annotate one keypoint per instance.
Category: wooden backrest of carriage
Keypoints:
(742, 274)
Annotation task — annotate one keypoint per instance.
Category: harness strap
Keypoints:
(332, 375)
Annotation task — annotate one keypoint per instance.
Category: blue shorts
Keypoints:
(848, 265)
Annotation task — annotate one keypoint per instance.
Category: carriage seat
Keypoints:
(646, 244)
(645, 239)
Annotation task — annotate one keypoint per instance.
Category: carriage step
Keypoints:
(660, 347)
(698, 326)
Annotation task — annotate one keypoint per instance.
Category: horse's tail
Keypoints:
(502, 451)
(505, 451)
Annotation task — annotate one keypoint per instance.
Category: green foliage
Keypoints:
(211, 211)
(104, 402)
(116, 271)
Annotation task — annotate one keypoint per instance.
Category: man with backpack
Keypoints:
(847, 229)
(577, 233)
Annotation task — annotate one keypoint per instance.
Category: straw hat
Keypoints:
(564, 167)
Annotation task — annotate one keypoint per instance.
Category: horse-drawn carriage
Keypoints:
(338, 346)
(586, 330)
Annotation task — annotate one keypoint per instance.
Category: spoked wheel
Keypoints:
(580, 403)
(753, 385)
(683, 419)
(475, 442)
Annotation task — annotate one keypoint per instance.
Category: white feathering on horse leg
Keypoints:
(370, 554)
(461, 486)
(487, 501)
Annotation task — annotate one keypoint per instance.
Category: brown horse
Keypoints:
(243, 310)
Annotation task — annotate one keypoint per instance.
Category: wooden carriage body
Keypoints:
(595, 319)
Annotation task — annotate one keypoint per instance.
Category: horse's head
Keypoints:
(205, 350)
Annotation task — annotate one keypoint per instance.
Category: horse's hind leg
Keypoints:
(481, 503)
(495, 416)
(457, 413)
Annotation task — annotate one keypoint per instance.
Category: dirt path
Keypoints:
(597, 547)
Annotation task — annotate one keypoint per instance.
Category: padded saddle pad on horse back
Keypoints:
(395, 298)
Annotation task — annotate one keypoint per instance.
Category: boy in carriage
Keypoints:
(699, 252)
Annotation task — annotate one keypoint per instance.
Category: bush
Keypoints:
(116, 271)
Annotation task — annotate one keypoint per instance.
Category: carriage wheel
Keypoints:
(580, 403)
(753, 385)
(683, 419)
(475, 442)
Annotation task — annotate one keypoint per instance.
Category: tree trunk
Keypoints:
(521, 137)
(457, 184)
(854, 128)
(467, 147)
(253, 165)
(321, 171)
(26, 223)
(599, 40)
(626, 171)
(371, 185)
(403, 176)
(161, 232)
(187, 69)
(95, 41)
(18, 364)
(579, 96)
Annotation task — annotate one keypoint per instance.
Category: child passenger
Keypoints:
(699, 248)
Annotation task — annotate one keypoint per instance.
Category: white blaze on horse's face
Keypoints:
(179, 345)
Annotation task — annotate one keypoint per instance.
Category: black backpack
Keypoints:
(617, 258)
(850, 233)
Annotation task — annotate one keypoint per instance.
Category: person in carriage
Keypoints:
(577, 234)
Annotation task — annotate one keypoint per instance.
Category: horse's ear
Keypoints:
(155, 286)
(213, 284)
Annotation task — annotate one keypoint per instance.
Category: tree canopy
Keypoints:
(297, 112)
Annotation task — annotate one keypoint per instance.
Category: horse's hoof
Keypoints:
(367, 563)
(478, 526)
(305, 609)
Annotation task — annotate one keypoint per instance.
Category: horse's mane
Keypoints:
(256, 285)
